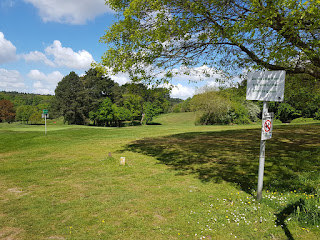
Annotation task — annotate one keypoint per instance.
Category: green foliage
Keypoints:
(239, 113)
(97, 87)
(212, 108)
(253, 111)
(36, 118)
(24, 112)
(151, 110)
(25, 98)
(105, 113)
(317, 115)
(101, 100)
(183, 106)
(303, 120)
(227, 35)
(286, 112)
(224, 107)
(135, 105)
(69, 99)
(301, 99)
(121, 114)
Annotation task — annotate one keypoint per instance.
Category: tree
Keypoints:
(97, 87)
(160, 36)
(121, 114)
(105, 114)
(70, 96)
(7, 112)
(36, 117)
(212, 108)
(24, 112)
(135, 105)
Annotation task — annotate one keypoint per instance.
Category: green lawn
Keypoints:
(180, 181)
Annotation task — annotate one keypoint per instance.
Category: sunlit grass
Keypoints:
(180, 181)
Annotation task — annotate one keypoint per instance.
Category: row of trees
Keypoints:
(97, 99)
(90, 99)
(224, 106)
(23, 107)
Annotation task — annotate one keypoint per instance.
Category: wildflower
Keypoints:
(102, 221)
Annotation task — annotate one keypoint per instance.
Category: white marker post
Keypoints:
(265, 86)
(45, 115)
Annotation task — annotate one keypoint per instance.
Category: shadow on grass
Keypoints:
(284, 214)
(292, 156)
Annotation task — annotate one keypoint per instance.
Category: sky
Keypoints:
(41, 41)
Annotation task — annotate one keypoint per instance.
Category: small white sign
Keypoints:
(266, 86)
(267, 125)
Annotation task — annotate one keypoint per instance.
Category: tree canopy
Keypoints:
(7, 112)
(159, 36)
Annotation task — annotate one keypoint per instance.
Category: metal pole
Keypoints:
(45, 124)
(262, 156)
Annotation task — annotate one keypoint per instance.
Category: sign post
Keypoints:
(265, 86)
(45, 115)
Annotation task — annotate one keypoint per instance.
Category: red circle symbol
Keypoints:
(267, 126)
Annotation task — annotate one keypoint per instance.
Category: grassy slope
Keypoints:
(181, 181)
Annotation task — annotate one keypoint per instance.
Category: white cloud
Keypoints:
(45, 84)
(11, 80)
(37, 57)
(183, 92)
(68, 58)
(121, 78)
(196, 74)
(7, 50)
(69, 11)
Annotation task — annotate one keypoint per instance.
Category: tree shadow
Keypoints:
(233, 156)
(284, 214)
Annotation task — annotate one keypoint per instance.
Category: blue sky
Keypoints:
(41, 41)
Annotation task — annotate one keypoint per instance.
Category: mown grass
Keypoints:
(180, 182)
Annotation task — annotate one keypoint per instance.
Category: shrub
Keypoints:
(253, 111)
(286, 112)
(302, 120)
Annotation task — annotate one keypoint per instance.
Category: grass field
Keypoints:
(180, 181)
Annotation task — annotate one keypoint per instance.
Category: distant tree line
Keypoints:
(92, 99)
(229, 105)
(24, 107)
(97, 100)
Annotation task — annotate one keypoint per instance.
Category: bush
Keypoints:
(239, 114)
(317, 115)
(286, 112)
(303, 120)
(212, 108)
(253, 111)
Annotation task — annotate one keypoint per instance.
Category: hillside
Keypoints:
(185, 118)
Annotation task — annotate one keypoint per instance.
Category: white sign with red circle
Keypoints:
(266, 132)
(267, 126)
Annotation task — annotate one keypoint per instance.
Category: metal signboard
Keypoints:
(266, 86)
